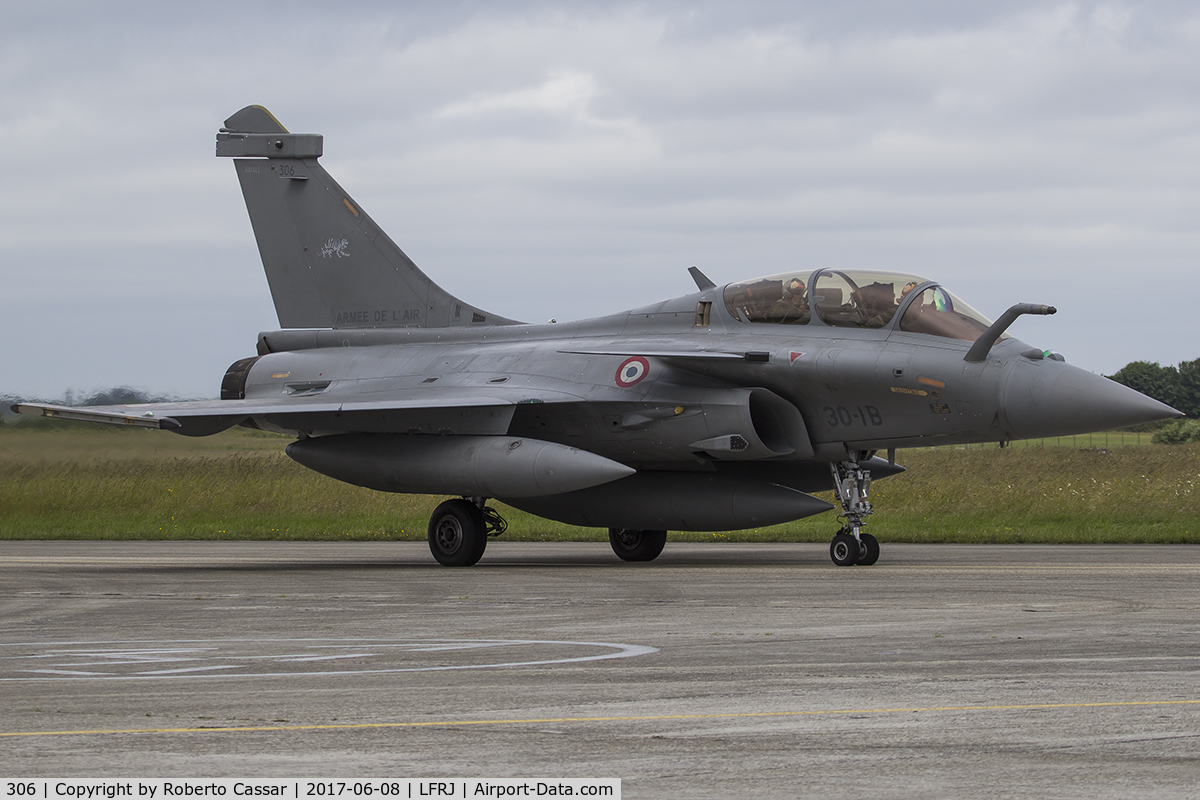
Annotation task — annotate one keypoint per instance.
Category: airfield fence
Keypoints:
(1105, 439)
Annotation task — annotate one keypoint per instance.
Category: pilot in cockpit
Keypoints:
(883, 314)
(792, 305)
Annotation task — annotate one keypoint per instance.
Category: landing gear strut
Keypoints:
(459, 530)
(850, 545)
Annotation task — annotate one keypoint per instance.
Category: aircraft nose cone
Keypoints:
(1057, 399)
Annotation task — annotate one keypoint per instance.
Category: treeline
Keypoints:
(1178, 387)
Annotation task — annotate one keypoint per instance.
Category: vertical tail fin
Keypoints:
(328, 264)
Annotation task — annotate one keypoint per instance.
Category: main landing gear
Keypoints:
(459, 530)
(635, 545)
(850, 545)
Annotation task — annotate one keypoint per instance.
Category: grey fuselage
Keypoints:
(856, 390)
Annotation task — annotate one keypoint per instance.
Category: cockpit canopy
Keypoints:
(855, 299)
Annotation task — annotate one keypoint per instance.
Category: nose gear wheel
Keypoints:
(850, 546)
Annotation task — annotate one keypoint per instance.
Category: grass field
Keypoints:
(92, 482)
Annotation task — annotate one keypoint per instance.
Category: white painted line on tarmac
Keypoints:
(191, 669)
(377, 657)
(326, 658)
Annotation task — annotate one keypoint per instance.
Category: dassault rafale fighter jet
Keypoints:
(722, 409)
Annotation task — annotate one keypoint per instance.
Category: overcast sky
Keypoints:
(571, 160)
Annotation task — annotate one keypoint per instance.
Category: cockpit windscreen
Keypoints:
(855, 299)
(938, 312)
(842, 298)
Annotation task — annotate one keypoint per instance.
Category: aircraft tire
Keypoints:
(636, 545)
(844, 550)
(870, 550)
(457, 535)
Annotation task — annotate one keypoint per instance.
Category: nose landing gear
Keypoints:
(850, 545)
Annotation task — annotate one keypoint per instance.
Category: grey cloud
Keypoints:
(1021, 152)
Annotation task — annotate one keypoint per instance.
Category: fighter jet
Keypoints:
(721, 409)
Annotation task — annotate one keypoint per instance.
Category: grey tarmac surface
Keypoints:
(720, 670)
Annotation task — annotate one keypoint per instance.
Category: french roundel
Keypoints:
(632, 371)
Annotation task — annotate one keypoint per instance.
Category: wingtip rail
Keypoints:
(147, 420)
